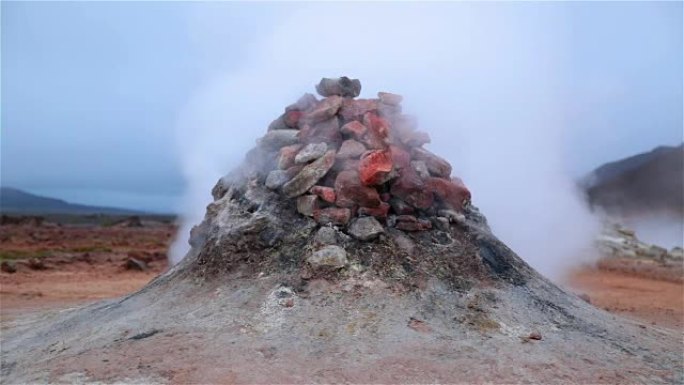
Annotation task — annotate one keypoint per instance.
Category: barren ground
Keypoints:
(86, 264)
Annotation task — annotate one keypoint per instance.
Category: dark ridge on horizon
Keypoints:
(648, 182)
(16, 201)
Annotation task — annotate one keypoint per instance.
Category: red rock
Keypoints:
(291, 118)
(385, 197)
(436, 165)
(325, 193)
(374, 167)
(411, 223)
(400, 157)
(332, 216)
(389, 98)
(355, 129)
(378, 212)
(287, 156)
(351, 149)
(350, 191)
(324, 110)
(355, 109)
(451, 194)
(411, 189)
(378, 130)
(307, 205)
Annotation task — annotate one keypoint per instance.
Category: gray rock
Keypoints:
(311, 152)
(365, 228)
(278, 138)
(453, 216)
(421, 168)
(350, 148)
(441, 223)
(329, 257)
(278, 124)
(402, 241)
(306, 204)
(326, 236)
(309, 175)
(342, 86)
(135, 264)
(276, 178)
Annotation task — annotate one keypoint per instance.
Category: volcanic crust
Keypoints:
(286, 283)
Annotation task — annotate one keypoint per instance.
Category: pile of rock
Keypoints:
(358, 164)
(619, 241)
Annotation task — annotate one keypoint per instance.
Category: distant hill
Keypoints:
(15, 201)
(648, 182)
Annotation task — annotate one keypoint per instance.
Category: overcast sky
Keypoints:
(92, 91)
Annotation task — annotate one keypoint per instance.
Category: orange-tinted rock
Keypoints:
(436, 165)
(355, 109)
(332, 216)
(400, 157)
(452, 194)
(350, 148)
(411, 189)
(325, 193)
(374, 167)
(350, 191)
(287, 156)
(378, 212)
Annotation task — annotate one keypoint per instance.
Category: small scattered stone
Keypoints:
(36, 264)
(307, 205)
(135, 264)
(328, 257)
(365, 228)
(8, 267)
(585, 297)
(310, 152)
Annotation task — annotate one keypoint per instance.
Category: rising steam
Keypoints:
(483, 79)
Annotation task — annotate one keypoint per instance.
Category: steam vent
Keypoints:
(342, 250)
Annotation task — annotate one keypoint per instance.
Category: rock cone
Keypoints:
(317, 262)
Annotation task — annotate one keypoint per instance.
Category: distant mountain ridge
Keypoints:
(15, 201)
(647, 182)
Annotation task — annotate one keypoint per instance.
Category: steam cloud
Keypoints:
(484, 80)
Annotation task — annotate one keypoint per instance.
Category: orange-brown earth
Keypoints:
(87, 263)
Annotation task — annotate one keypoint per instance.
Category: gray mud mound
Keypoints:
(286, 284)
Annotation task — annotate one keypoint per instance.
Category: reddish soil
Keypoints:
(86, 263)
